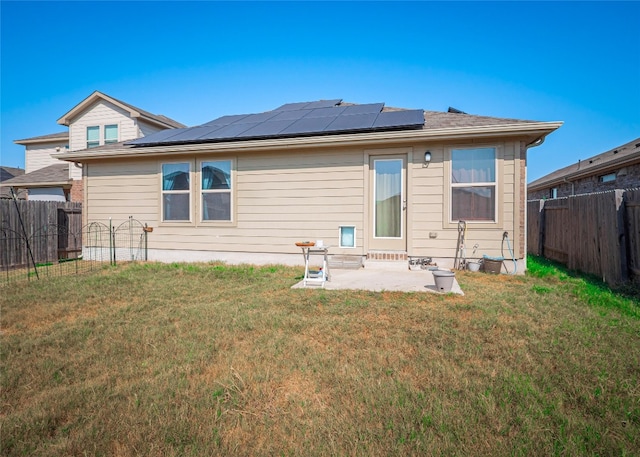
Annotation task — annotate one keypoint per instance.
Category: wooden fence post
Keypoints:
(622, 234)
(541, 229)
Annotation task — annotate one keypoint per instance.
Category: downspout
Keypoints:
(573, 186)
(533, 144)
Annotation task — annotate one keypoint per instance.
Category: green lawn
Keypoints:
(162, 360)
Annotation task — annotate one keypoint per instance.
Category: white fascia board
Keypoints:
(61, 140)
(96, 95)
(306, 142)
(26, 185)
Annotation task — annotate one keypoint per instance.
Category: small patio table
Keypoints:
(320, 276)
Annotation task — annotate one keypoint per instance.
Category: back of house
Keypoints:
(370, 181)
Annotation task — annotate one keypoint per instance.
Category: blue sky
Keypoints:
(577, 62)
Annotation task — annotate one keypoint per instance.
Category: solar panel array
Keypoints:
(293, 119)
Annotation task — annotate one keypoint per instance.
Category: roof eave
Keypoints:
(536, 129)
(66, 118)
(589, 171)
(28, 141)
(28, 185)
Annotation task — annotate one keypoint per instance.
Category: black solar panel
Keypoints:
(228, 131)
(157, 137)
(353, 122)
(372, 108)
(260, 117)
(226, 120)
(323, 104)
(292, 106)
(326, 112)
(309, 105)
(403, 118)
(291, 114)
(308, 125)
(306, 118)
(192, 134)
(269, 128)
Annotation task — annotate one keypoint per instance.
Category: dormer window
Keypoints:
(110, 134)
(93, 136)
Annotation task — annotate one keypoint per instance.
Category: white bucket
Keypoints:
(473, 266)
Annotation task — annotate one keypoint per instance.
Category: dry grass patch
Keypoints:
(219, 360)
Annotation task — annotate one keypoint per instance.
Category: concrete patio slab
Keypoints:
(382, 276)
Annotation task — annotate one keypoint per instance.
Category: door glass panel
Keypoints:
(388, 198)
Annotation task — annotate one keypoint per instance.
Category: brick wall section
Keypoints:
(373, 255)
(77, 190)
(592, 184)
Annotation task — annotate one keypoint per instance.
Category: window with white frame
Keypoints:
(93, 136)
(110, 134)
(553, 193)
(216, 190)
(610, 177)
(347, 236)
(473, 184)
(176, 192)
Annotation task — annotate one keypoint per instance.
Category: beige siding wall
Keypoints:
(101, 113)
(281, 198)
(430, 231)
(38, 156)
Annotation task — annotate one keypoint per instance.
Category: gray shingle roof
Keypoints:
(441, 120)
(416, 123)
(625, 154)
(157, 118)
(43, 138)
(7, 173)
(56, 174)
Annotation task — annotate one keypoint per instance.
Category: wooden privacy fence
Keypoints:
(54, 230)
(595, 233)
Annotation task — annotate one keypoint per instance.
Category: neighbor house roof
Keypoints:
(52, 137)
(7, 173)
(612, 159)
(135, 112)
(56, 175)
(321, 123)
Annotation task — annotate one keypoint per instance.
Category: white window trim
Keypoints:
(165, 192)
(202, 191)
(403, 198)
(498, 164)
(608, 177)
(86, 136)
(104, 133)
